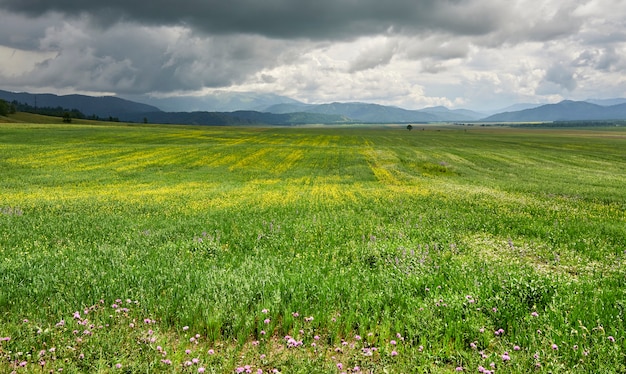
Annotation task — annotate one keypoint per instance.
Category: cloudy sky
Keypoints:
(475, 54)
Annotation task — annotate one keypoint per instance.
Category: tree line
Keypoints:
(14, 106)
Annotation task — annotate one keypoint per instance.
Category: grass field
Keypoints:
(146, 249)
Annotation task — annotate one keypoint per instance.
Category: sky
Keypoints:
(476, 54)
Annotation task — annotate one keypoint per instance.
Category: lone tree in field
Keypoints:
(409, 127)
(67, 118)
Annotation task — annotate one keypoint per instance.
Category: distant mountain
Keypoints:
(288, 108)
(374, 113)
(237, 118)
(446, 114)
(606, 102)
(515, 108)
(260, 108)
(564, 111)
(105, 106)
(219, 101)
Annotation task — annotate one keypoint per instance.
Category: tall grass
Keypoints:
(412, 251)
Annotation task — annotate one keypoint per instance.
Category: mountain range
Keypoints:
(227, 108)
(105, 106)
(566, 110)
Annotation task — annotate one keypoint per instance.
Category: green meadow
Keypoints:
(150, 249)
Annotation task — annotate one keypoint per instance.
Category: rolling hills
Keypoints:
(564, 111)
(270, 109)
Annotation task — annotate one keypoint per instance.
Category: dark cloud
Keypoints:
(284, 19)
(561, 75)
(24, 33)
(134, 59)
(604, 59)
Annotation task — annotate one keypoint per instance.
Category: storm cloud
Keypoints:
(284, 19)
(411, 53)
